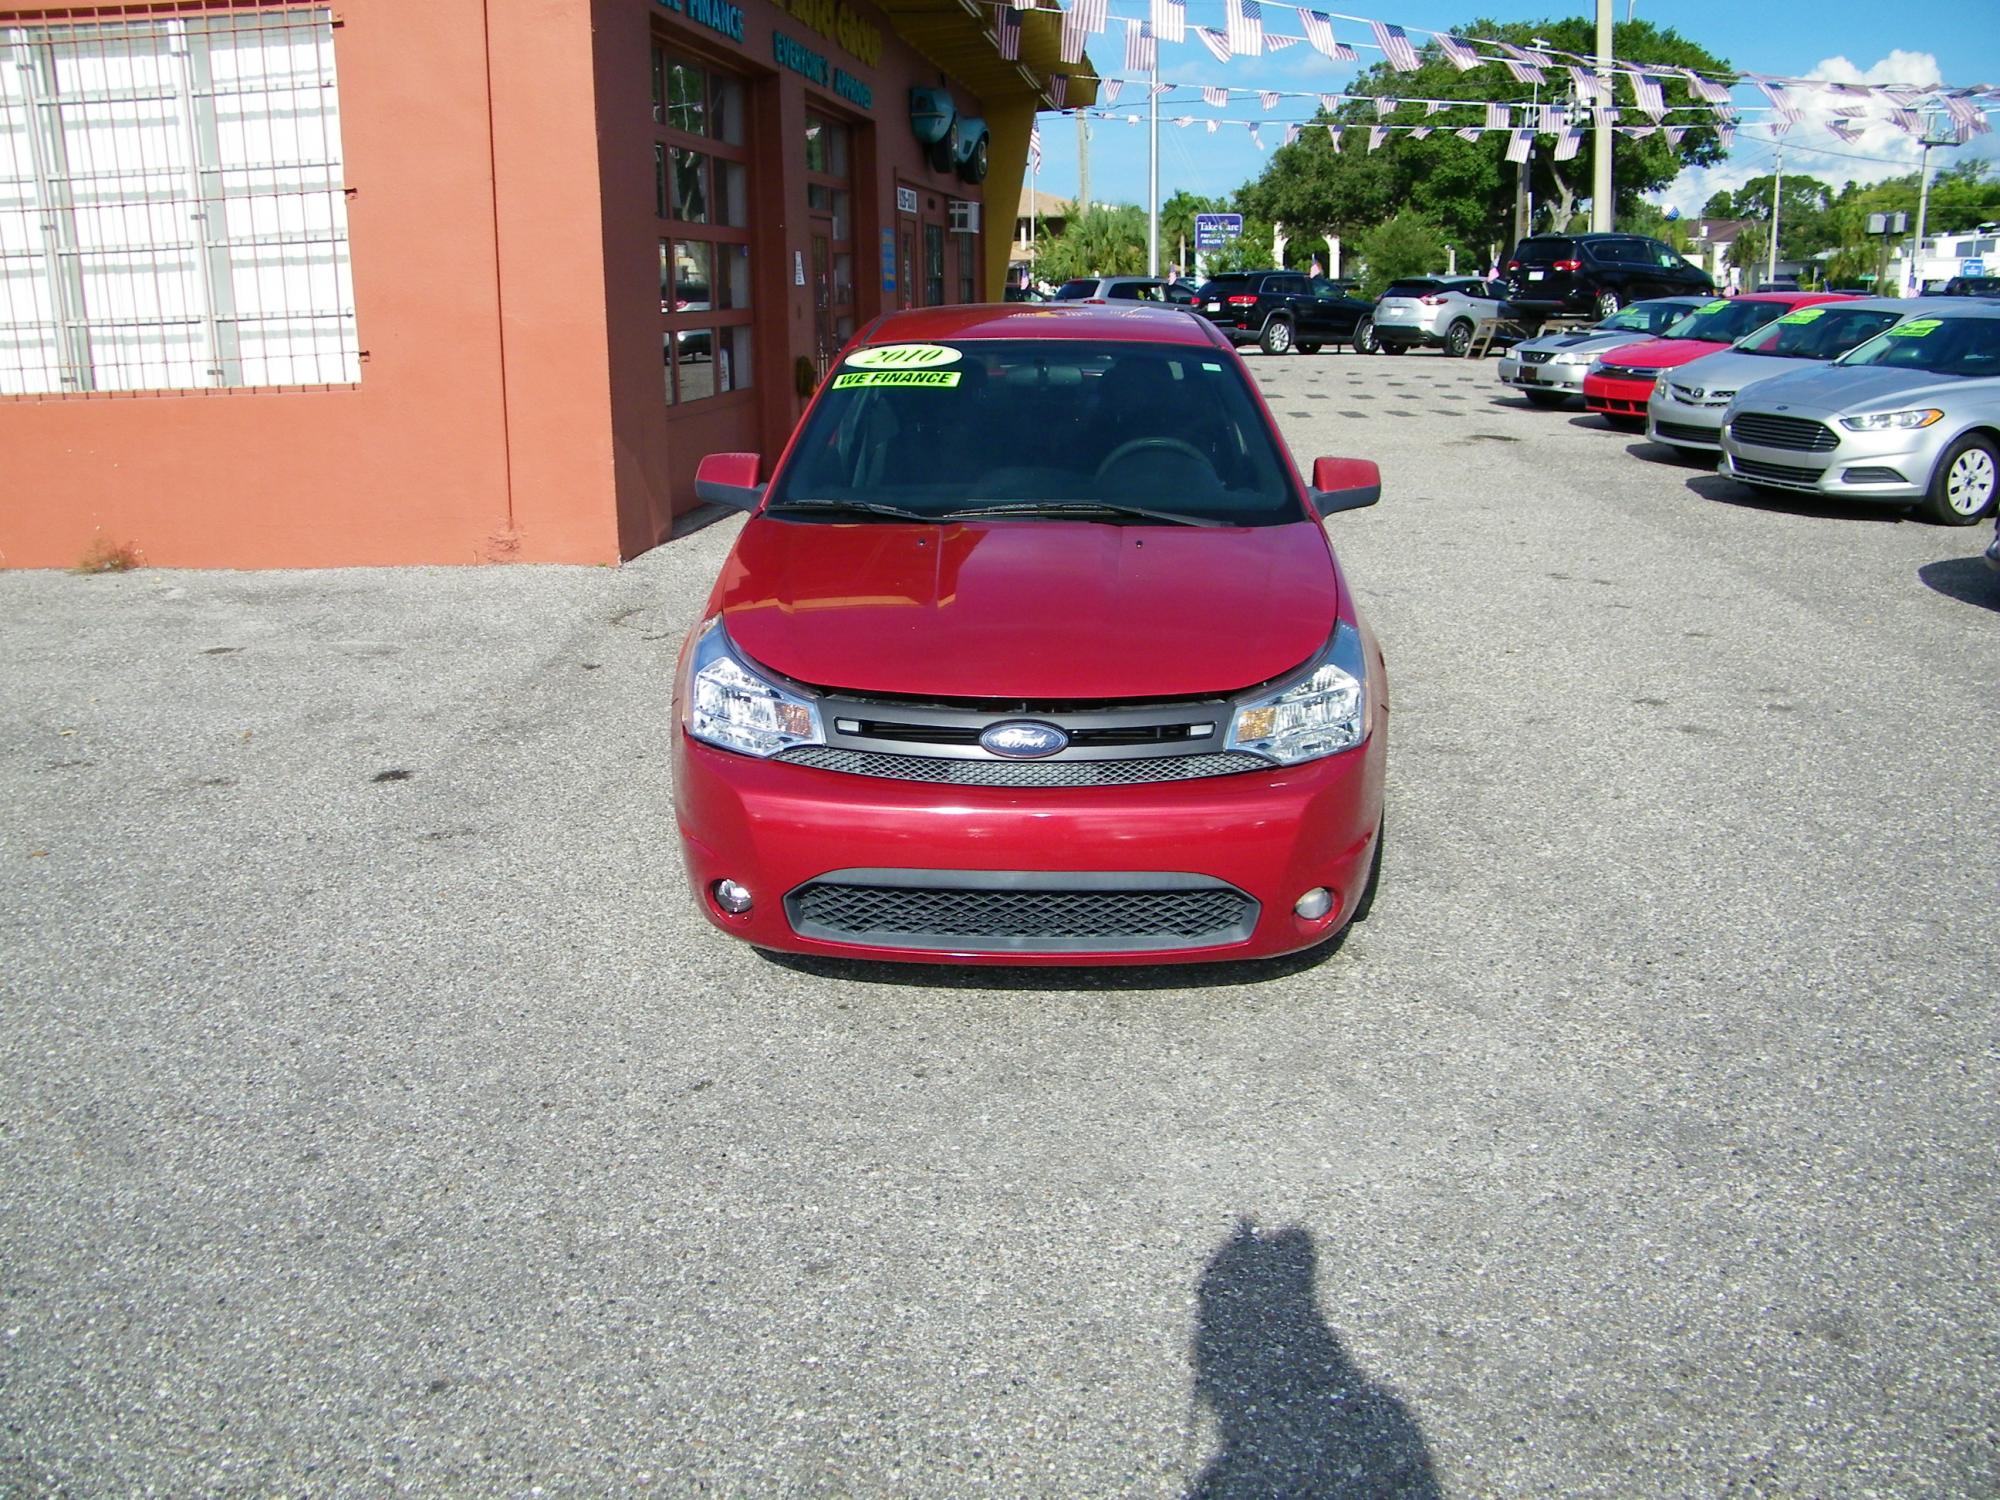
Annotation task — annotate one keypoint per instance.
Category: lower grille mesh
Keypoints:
(1751, 468)
(1024, 773)
(1688, 433)
(1024, 921)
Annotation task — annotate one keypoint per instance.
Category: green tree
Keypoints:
(1804, 226)
(1102, 240)
(1406, 245)
(1467, 187)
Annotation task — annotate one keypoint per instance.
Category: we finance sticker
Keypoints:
(1714, 306)
(927, 379)
(1916, 328)
(1804, 315)
(904, 357)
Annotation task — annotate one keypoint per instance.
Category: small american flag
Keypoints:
(1567, 144)
(1590, 86)
(1035, 146)
(1395, 45)
(1277, 42)
(1142, 50)
(1418, 132)
(1007, 32)
(1385, 106)
(1333, 138)
(1213, 95)
(1329, 102)
(1109, 90)
(1521, 64)
(1291, 134)
(1268, 99)
(1246, 27)
(1215, 41)
(1652, 102)
(1170, 20)
(1058, 90)
(1704, 88)
(1468, 132)
(1377, 134)
(1457, 53)
(1319, 31)
(1496, 117)
(1781, 102)
(1518, 144)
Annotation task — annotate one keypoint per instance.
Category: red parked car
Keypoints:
(1620, 383)
(1033, 650)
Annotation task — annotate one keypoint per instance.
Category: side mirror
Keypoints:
(1345, 484)
(729, 479)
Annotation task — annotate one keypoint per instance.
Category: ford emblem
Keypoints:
(1023, 739)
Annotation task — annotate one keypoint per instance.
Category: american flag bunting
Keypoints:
(1246, 27)
(1395, 45)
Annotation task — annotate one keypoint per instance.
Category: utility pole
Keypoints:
(1082, 164)
(1777, 192)
(1153, 172)
(1930, 139)
(1600, 166)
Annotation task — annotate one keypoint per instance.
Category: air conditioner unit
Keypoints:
(964, 216)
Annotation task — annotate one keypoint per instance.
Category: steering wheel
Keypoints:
(1140, 445)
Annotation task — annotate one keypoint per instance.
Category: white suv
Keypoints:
(1439, 311)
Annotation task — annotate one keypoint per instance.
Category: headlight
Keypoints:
(1571, 359)
(1884, 421)
(726, 702)
(1321, 714)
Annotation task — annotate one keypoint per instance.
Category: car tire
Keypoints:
(1606, 303)
(944, 153)
(976, 163)
(1276, 337)
(1313, 348)
(1458, 340)
(1364, 337)
(1547, 400)
(1964, 483)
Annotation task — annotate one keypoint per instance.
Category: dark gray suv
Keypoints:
(1598, 273)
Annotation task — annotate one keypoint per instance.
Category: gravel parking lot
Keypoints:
(380, 1117)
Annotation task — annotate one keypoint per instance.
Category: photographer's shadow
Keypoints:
(1297, 1418)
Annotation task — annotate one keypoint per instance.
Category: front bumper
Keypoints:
(790, 833)
(1890, 467)
(1679, 424)
(1617, 397)
(1550, 376)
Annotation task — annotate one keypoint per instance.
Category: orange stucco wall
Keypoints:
(470, 437)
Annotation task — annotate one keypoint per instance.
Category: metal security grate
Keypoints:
(1022, 921)
(1024, 773)
(1768, 431)
(1750, 468)
(173, 212)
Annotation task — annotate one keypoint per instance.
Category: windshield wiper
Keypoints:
(1102, 509)
(848, 507)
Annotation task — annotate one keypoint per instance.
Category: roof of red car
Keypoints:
(1131, 323)
(1666, 354)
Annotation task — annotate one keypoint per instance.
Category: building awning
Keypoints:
(958, 37)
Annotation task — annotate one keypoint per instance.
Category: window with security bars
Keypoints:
(172, 213)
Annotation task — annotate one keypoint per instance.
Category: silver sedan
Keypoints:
(1912, 417)
(1686, 407)
(1549, 370)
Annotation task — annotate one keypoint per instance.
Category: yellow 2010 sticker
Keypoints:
(903, 357)
(1803, 315)
(932, 379)
(1915, 329)
(1716, 306)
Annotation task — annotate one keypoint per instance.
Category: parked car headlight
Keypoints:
(1884, 421)
(1323, 713)
(1570, 358)
(728, 703)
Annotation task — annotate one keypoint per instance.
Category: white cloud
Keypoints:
(1881, 150)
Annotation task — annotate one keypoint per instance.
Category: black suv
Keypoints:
(1598, 273)
(1281, 310)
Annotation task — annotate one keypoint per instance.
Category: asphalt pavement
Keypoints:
(380, 1118)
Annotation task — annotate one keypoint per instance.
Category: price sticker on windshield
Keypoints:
(1803, 315)
(1716, 306)
(904, 357)
(1916, 328)
(923, 379)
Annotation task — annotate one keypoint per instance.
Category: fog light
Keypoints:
(1314, 904)
(731, 897)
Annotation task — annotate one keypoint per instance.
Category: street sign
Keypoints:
(1213, 231)
(1888, 223)
(1972, 265)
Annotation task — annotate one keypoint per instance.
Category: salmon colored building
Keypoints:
(383, 282)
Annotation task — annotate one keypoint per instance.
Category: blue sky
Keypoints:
(1919, 41)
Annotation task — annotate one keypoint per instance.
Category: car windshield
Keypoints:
(1817, 332)
(1646, 317)
(1939, 346)
(1131, 432)
(1726, 320)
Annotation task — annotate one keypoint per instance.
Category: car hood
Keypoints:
(1668, 354)
(1585, 341)
(1838, 390)
(1035, 611)
(1732, 371)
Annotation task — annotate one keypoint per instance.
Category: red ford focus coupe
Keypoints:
(1620, 383)
(1032, 650)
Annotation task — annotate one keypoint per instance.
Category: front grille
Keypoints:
(1627, 372)
(1537, 356)
(1023, 773)
(1686, 433)
(1749, 468)
(1874, 474)
(1003, 913)
(1768, 431)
